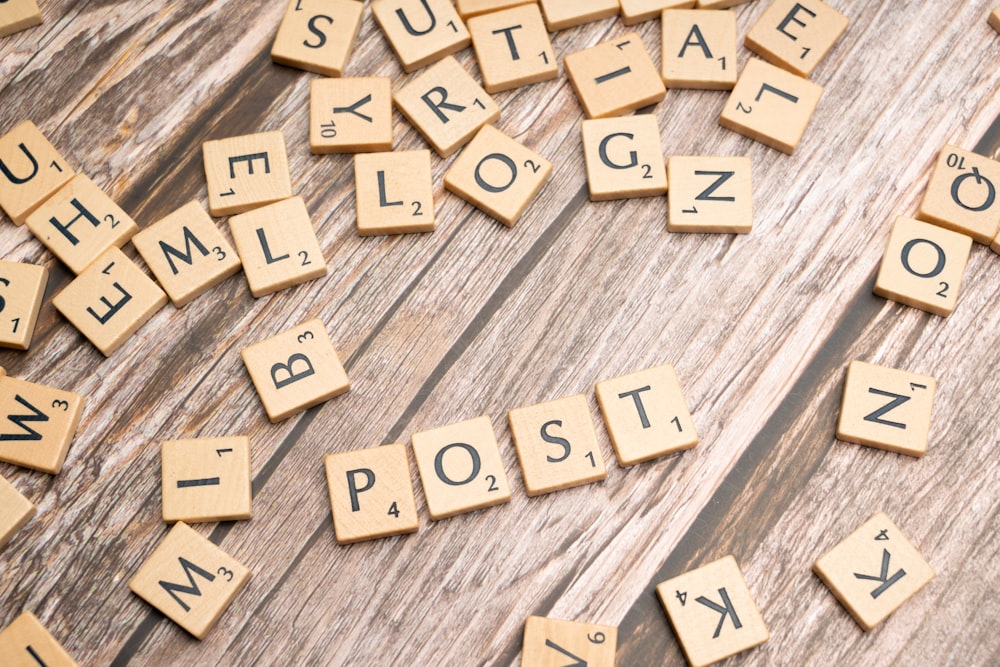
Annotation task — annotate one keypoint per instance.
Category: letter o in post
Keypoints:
(505, 161)
(439, 464)
(602, 151)
(940, 258)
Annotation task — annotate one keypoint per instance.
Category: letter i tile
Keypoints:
(206, 479)
(26, 643)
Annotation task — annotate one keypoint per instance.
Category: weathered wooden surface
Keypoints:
(477, 318)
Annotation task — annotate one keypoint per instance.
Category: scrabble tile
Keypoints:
(637, 11)
(189, 579)
(15, 511)
(549, 642)
(37, 424)
(718, 4)
(710, 194)
(22, 287)
(371, 493)
(712, 612)
(246, 172)
(513, 48)
(420, 31)
(187, 253)
(18, 15)
(278, 246)
(206, 479)
(350, 115)
(317, 35)
(446, 105)
(994, 19)
(295, 370)
(614, 77)
(873, 571)
(110, 300)
(498, 175)
(561, 14)
(556, 445)
(623, 157)
(26, 643)
(886, 408)
(394, 192)
(699, 49)
(460, 468)
(468, 8)
(79, 222)
(771, 106)
(995, 245)
(962, 194)
(796, 34)
(923, 266)
(31, 168)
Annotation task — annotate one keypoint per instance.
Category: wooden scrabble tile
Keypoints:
(79, 222)
(994, 19)
(560, 14)
(556, 445)
(614, 77)
(623, 157)
(460, 468)
(446, 105)
(350, 115)
(886, 408)
(32, 169)
(371, 493)
(796, 34)
(549, 642)
(712, 612)
(295, 370)
(26, 643)
(187, 253)
(189, 579)
(110, 300)
(37, 424)
(317, 35)
(771, 106)
(420, 31)
(15, 511)
(246, 172)
(278, 246)
(923, 266)
(873, 571)
(718, 4)
(498, 175)
(468, 8)
(22, 287)
(394, 191)
(962, 194)
(513, 48)
(995, 245)
(710, 194)
(637, 11)
(699, 49)
(206, 479)
(18, 15)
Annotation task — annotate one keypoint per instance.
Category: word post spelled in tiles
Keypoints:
(962, 194)
(623, 158)
(26, 643)
(30, 167)
(796, 34)
(15, 511)
(317, 35)
(699, 49)
(206, 479)
(420, 31)
(394, 192)
(246, 172)
(513, 48)
(37, 424)
(350, 115)
(22, 287)
(615, 77)
(550, 642)
(710, 194)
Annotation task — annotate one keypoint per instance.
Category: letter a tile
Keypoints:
(30, 168)
(26, 643)
(873, 571)
(394, 192)
(190, 580)
(549, 642)
(623, 157)
(420, 31)
(15, 511)
(37, 424)
(699, 47)
(206, 479)
(317, 35)
(22, 287)
(246, 172)
(796, 34)
(615, 77)
(710, 194)
(962, 194)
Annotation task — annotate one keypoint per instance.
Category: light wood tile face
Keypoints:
(394, 192)
(623, 158)
(26, 643)
(420, 31)
(18, 15)
(561, 14)
(796, 34)
(277, 246)
(371, 493)
(923, 266)
(317, 35)
(637, 11)
(771, 106)
(187, 253)
(513, 48)
(15, 511)
(460, 468)
(467, 8)
(712, 612)
(498, 175)
(190, 580)
(873, 571)
(962, 194)
(549, 642)
(246, 172)
(446, 105)
(556, 445)
(350, 115)
(699, 49)
(994, 19)
(109, 301)
(615, 77)
(37, 424)
(30, 167)
(718, 4)
(710, 194)
(79, 222)
(22, 287)
(206, 479)
(295, 370)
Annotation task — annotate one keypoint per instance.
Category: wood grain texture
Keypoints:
(476, 318)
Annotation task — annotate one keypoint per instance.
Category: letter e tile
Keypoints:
(206, 479)
(26, 643)
(796, 34)
(549, 642)
(246, 172)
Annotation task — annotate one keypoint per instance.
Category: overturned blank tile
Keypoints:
(623, 157)
(873, 571)
(420, 31)
(37, 424)
(206, 479)
(796, 34)
(394, 192)
(710, 194)
(467, 8)
(614, 77)
(513, 48)
(549, 642)
(26, 643)
(22, 287)
(561, 14)
(30, 168)
(317, 35)
(699, 49)
(246, 172)
(350, 115)
(18, 15)
(637, 11)
(15, 511)
(962, 194)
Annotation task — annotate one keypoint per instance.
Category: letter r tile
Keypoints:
(614, 77)
(27, 643)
